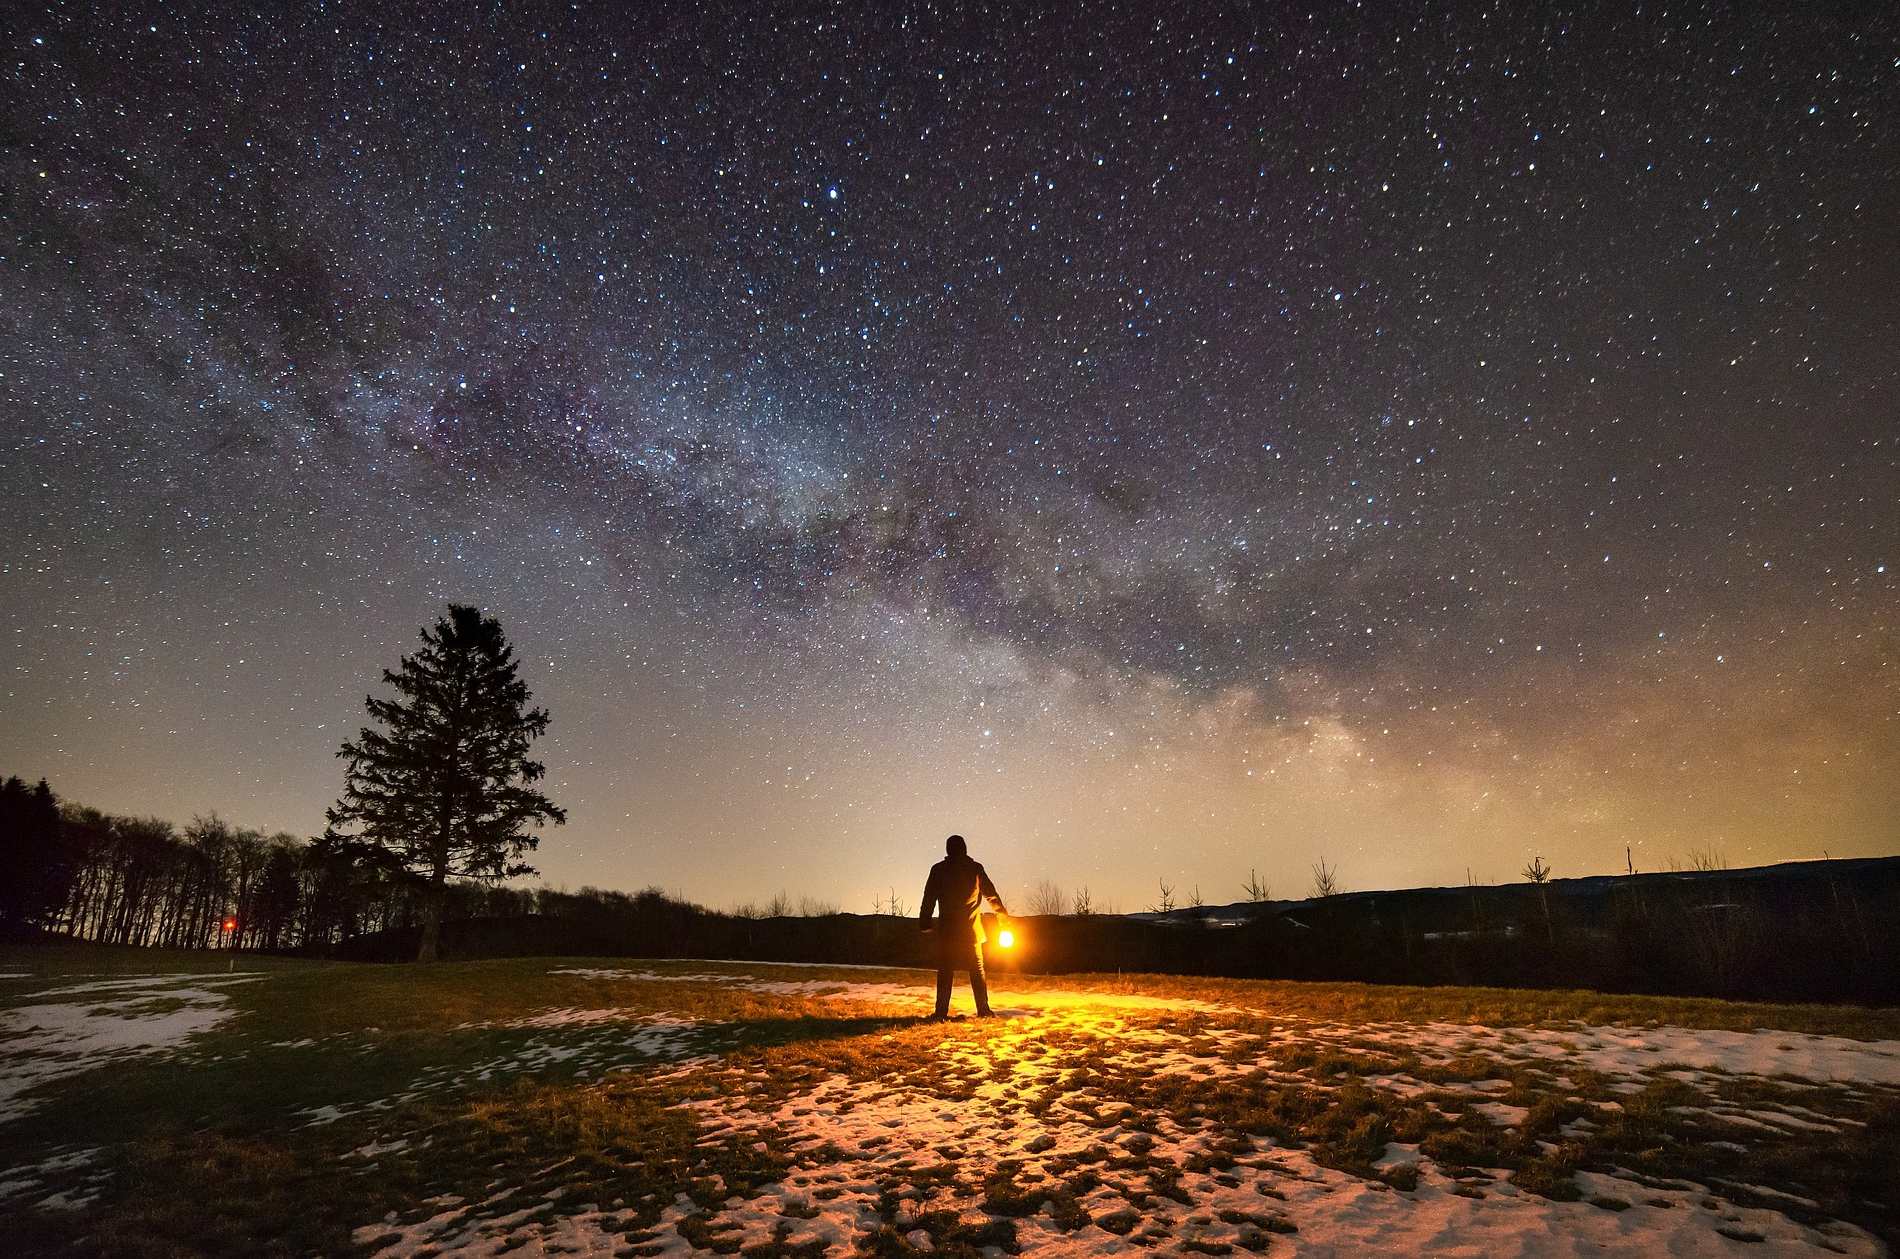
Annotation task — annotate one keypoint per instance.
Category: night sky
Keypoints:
(1152, 444)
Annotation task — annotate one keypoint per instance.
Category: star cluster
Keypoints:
(1154, 443)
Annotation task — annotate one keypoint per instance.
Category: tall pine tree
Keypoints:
(36, 860)
(446, 787)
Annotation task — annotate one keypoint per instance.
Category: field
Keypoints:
(158, 1104)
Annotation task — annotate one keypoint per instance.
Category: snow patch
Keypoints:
(375, 1148)
(1637, 1051)
(153, 981)
(476, 1232)
(29, 1182)
(589, 1042)
(46, 1040)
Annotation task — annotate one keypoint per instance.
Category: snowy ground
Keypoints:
(910, 1163)
(813, 1111)
(68, 1029)
(71, 1028)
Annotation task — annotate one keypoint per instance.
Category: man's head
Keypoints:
(956, 847)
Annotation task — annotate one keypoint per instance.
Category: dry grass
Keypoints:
(206, 1152)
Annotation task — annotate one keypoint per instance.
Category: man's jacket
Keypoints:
(960, 885)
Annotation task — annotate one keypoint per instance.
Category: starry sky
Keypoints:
(1155, 443)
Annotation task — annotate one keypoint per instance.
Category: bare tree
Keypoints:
(1255, 889)
(897, 907)
(1046, 899)
(749, 909)
(1197, 907)
(1166, 904)
(1325, 879)
(1708, 859)
(1084, 906)
(1539, 873)
(813, 907)
(780, 906)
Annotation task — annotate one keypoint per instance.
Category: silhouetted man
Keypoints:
(960, 886)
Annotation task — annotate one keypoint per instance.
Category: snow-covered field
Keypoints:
(812, 1111)
(72, 1028)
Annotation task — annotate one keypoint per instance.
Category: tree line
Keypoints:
(67, 869)
(70, 870)
(439, 808)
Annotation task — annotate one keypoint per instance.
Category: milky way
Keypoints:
(1158, 445)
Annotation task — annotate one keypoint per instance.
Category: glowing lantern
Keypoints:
(230, 924)
(1005, 939)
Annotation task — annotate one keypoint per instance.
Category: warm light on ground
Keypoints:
(1277, 1117)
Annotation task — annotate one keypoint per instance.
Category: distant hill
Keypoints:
(1799, 931)
(1578, 891)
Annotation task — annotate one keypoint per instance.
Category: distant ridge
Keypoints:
(1586, 886)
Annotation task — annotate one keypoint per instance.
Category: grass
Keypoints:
(210, 1150)
(397, 995)
(1489, 1007)
(78, 958)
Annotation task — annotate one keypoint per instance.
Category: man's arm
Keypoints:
(989, 889)
(929, 903)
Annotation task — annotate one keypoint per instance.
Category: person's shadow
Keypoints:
(767, 1033)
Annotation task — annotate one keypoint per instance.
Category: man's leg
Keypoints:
(945, 977)
(979, 982)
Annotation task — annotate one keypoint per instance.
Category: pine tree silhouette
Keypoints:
(446, 787)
